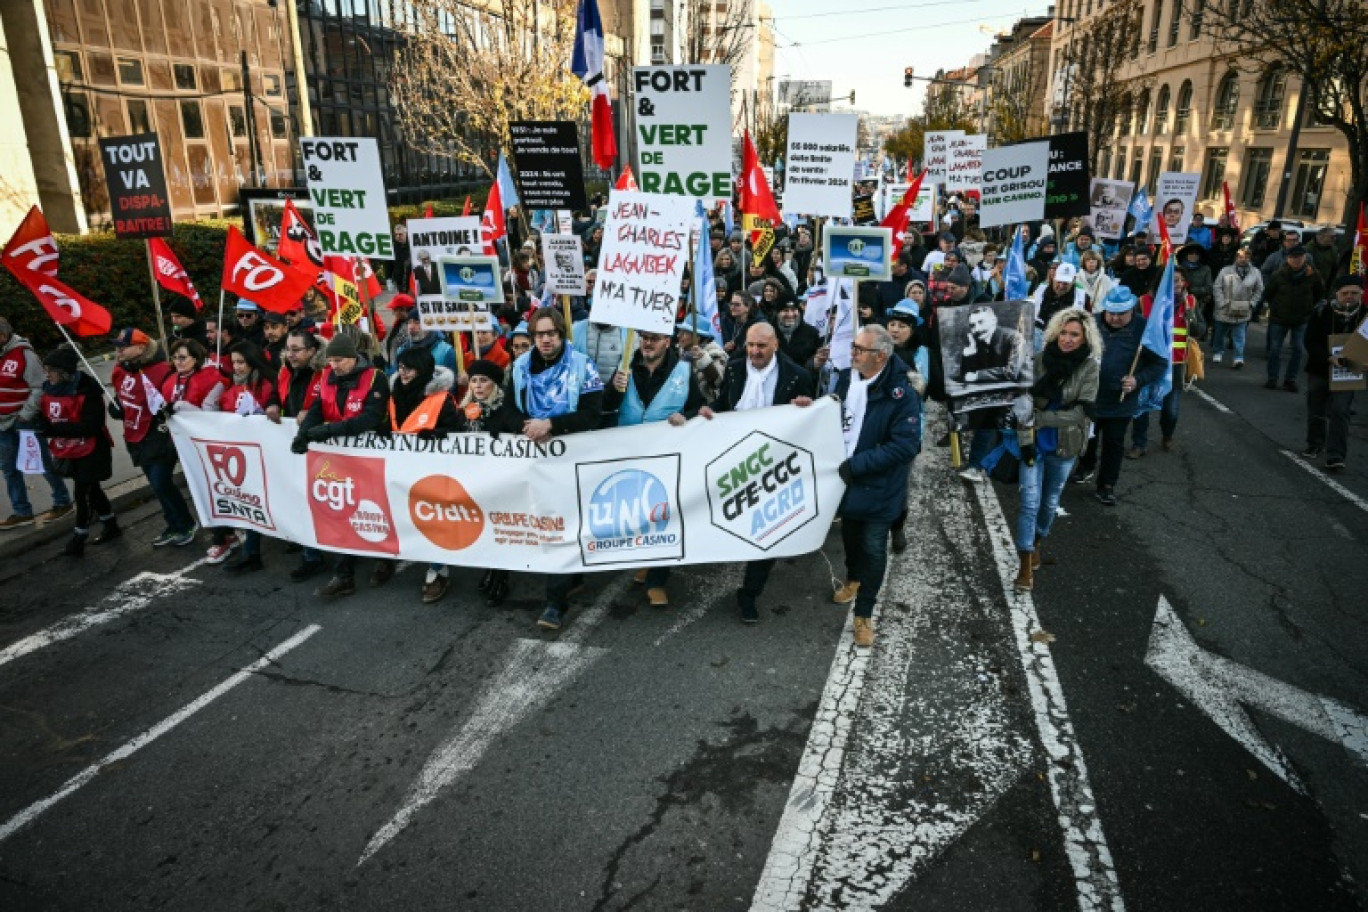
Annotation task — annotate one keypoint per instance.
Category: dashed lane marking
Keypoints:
(1212, 400)
(1330, 482)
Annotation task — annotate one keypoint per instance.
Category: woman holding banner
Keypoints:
(192, 385)
(71, 417)
(253, 388)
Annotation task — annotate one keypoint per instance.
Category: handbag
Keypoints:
(1195, 363)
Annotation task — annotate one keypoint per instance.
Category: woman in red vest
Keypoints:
(194, 385)
(252, 389)
(73, 420)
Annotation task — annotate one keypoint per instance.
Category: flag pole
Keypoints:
(76, 348)
(156, 292)
(565, 311)
(218, 336)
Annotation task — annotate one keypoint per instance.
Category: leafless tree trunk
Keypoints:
(1096, 96)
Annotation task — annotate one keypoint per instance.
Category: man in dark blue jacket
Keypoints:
(881, 420)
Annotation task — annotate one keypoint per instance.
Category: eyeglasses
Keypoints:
(546, 334)
(861, 350)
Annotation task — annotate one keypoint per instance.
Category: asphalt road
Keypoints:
(991, 751)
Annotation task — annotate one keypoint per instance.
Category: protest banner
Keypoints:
(550, 174)
(563, 256)
(432, 240)
(470, 285)
(821, 159)
(645, 247)
(1109, 200)
(265, 208)
(857, 252)
(136, 183)
(964, 162)
(936, 156)
(739, 487)
(683, 117)
(1067, 191)
(1015, 179)
(988, 352)
(1175, 198)
(862, 207)
(348, 193)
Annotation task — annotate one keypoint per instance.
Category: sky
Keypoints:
(865, 45)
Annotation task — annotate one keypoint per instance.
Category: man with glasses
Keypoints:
(881, 424)
(249, 324)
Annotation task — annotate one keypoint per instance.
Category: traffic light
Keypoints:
(907, 78)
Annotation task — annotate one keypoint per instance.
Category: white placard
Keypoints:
(565, 222)
(937, 154)
(29, 459)
(645, 247)
(1014, 184)
(1174, 201)
(819, 164)
(683, 124)
(923, 209)
(965, 162)
(431, 241)
(347, 188)
(563, 256)
(1108, 201)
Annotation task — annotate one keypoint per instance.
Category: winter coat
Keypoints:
(708, 369)
(98, 465)
(1292, 296)
(441, 350)
(1097, 287)
(448, 418)
(1072, 417)
(25, 412)
(1325, 258)
(792, 382)
(801, 344)
(1119, 348)
(1324, 323)
(145, 435)
(1235, 296)
(890, 439)
(1199, 282)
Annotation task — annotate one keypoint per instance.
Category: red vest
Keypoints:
(283, 387)
(356, 398)
(66, 409)
(1180, 331)
(128, 386)
(193, 389)
(259, 391)
(14, 389)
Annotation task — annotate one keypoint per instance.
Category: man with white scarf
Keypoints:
(764, 377)
(881, 423)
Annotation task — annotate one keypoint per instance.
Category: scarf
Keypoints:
(753, 396)
(408, 396)
(1059, 367)
(477, 411)
(853, 410)
(548, 392)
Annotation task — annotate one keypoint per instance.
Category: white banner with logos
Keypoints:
(740, 487)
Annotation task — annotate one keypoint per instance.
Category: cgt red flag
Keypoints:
(492, 225)
(251, 274)
(170, 274)
(626, 180)
(901, 214)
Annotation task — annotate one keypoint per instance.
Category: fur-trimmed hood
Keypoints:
(443, 381)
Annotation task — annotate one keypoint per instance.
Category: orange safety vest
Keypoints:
(423, 418)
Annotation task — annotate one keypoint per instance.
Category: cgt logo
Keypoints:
(629, 510)
(443, 510)
(349, 505)
(235, 474)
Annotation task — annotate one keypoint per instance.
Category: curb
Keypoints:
(123, 496)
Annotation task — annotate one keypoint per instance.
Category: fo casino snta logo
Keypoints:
(629, 510)
(762, 490)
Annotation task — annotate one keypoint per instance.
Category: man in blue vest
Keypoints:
(659, 386)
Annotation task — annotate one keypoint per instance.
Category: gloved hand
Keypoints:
(316, 434)
(115, 411)
(1028, 454)
(299, 445)
(846, 475)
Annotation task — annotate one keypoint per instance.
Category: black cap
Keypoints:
(276, 318)
(1348, 280)
(62, 359)
(486, 368)
(1298, 250)
(181, 307)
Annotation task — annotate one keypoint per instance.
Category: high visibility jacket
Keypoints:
(132, 392)
(422, 418)
(356, 398)
(14, 389)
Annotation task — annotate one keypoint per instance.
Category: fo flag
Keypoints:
(31, 256)
(170, 274)
(32, 249)
(249, 273)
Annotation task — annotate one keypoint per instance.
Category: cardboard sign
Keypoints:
(855, 252)
(136, 183)
(936, 156)
(683, 123)
(923, 209)
(1067, 192)
(469, 286)
(1015, 179)
(1356, 346)
(821, 159)
(965, 162)
(550, 174)
(1108, 203)
(1345, 378)
(645, 247)
(563, 255)
(1174, 201)
(347, 188)
(431, 241)
(265, 211)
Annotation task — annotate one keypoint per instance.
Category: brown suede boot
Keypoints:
(1024, 577)
(1036, 557)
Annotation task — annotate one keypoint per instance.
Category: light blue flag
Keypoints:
(1142, 210)
(1018, 285)
(704, 284)
(1158, 338)
(727, 222)
(507, 190)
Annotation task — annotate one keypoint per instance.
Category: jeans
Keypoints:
(756, 575)
(1111, 434)
(981, 443)
(1168, 415)
(251, 545)
(1277, 334)
(1237, 333)
(1327, 417)
(1041, 485)
(14, 479)
(657, 577)
(866, 555)
(558, 586)
(161, 480)
(91, 502)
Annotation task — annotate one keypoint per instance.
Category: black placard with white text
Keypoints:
(1067, 192)
(547, 155)
(136, 182)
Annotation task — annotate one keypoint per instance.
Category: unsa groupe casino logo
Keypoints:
(762, 490)
(236, 475)
(629, 510)
(443, 510)
(349, 505)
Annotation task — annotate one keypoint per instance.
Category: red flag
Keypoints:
(1358, 261)
(32, 249)
(901, 214)
(170, 274)
(492, 225)
(427, 208)
(465, 210)
(626, 180)
(1232, 217)
(754, 197)
(298, 246)
(355, 270)
(77, 313)
(251, 274)
(1165, 244)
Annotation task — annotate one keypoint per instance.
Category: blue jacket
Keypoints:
(1118, 349)
(890, 439)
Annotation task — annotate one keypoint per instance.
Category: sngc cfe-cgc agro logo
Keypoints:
(629, 510)
(235, 476)
(443, 510)
(762, 490)
(349, 505)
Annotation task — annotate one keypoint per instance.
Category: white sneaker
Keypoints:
(1216, 358)
(973, 475)
(217, 554)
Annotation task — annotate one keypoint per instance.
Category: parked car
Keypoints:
(1288, 224)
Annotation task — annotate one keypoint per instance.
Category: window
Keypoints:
(232, 81)
(1136, 164)
(131, 71)
(68, 64)
(1309, 183)
(138, 120)
(1175, 22)
(1214, 172)
(237, 121)
(1315, 113)
(1104, 163)
(77, 108)
(185, 77)
(1154, 27)
(271, 85)
(1120, 164)
(192, 120)
(279, 127)
(1161, 112)
(1182, 111)
(1227, 101)
(1156, 165)
(1258, 164)
(1198, 13)
(1144, 112)
(1176, 158)
(1269, 99)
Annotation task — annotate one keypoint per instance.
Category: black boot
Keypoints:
(485, 580)
(109, 530)
(75, 545)
(900, 537)
(497, 590)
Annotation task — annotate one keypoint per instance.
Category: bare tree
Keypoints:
(1011, 108)
(466, 70)
(713, 35)
(1095, 97)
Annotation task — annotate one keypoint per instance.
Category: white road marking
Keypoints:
(1221, 689)
(1084, 842)
(1333, 485)
(718, 586)
(33, 811)
(129, 596)
(1215, 403)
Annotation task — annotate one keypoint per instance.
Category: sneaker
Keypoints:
(1216, 358)
(973, 475)
(750, 614)
(1135, 452)
(1334, 463)
(1239, 363)
(336, 587)
(307, 570)
(1311, 453)
(243, 563)
(184, 538)
(864, 632)
(1271, 385)
(16, 521)
(550, 618)
(167, 537)
(1290, 385)
(846, 594)
(1105, 497)
(56, 513)
(435, 590)
(218, 553)
(1082, 478)
(658, 597)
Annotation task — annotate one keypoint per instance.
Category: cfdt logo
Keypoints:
(629, 510)
(235, 474)
(443, 510)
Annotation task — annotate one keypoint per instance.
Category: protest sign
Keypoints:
(622, 497)
(1109, 200)
(1067, 192)
(29, 459)
(683, 117)
(563, 255)
(348, 193)
(843, 321)
(431, 241)
(550, 175)
(645, 247)
(565, 222)
(964, 162)
(936, 156)
(1345, 375)
(987, 351)
(265, 212)
(862, 207)
(1014, 184)
(821, 159)
(857, 252)
(1174, 201)
(136, 183)
(470, 284)
(922, 210)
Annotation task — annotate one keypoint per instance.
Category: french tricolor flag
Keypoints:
(587, 64)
